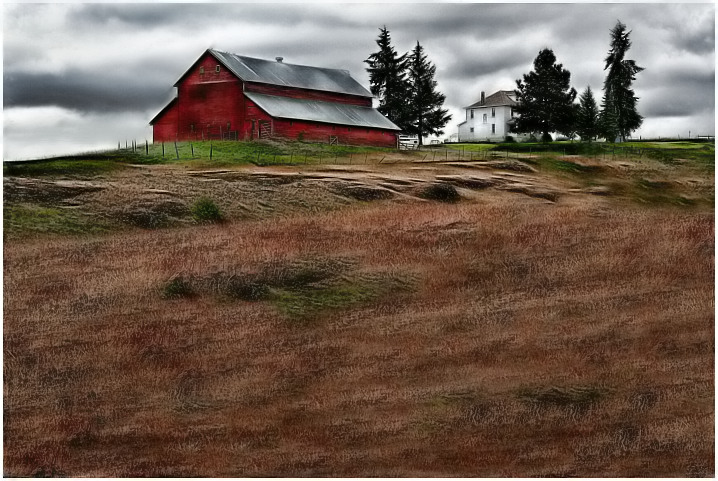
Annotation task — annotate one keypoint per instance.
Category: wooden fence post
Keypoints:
(210, 150)
(192, 149)
(147, 147)
(176, 150)
(163, 150)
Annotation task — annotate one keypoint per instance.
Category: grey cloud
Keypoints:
(83, 91)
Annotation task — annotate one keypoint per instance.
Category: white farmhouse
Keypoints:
(489, 118)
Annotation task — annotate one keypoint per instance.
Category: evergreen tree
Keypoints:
(587, 116)
(545, 98)
(619, 116)
(426, 115)
(387, 80)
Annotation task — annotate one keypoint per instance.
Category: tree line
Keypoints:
(546, 99)
(406, 89)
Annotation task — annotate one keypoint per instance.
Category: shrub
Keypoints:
(177, 287)
(205, 210)
(440, 191)
(546, 138)
(509, 139)
(247, 288)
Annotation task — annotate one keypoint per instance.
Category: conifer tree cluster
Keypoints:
(406, 89)
(546, 99)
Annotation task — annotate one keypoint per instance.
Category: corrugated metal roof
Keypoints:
(301, 76)
(495, 100)
(318, 111)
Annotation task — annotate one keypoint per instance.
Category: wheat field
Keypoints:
(506, 336)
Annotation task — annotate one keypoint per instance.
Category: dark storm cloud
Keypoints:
(83, 91)
(695, 95)
(204, 15)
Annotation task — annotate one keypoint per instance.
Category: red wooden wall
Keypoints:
(210, 103)
(320, 132)
(165, 128)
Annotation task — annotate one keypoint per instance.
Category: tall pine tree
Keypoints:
(545, 98)
(587, 116)
(387, 80)
(619, 116)
(426, 115)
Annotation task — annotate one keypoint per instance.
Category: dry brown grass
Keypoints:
(537, 339)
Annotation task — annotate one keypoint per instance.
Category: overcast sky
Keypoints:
(79, 77)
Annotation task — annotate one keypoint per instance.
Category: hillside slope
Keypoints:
(421, 319)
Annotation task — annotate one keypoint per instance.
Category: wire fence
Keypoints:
(344, 155)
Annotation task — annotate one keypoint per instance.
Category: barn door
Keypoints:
(265, 129)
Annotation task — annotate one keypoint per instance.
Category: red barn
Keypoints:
(227, 96)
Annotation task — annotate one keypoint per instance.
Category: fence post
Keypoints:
(210, 150)
(192, 149)
(147, 147)
(163, 150)
(118, 145)
(176, 150)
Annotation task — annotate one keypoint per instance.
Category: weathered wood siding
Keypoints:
(165, 128)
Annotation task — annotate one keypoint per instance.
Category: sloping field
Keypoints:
(380, 326)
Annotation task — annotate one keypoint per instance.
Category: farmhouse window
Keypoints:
(485, 120)
(472, 113)
(201, 70)
(471, 130)
(493, 112)
(493, 128)
(216, 69)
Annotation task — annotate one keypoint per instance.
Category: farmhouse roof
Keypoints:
(319, 111)
(495, 100)
(276, 72)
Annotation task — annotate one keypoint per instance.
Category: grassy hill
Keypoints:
(532, 312)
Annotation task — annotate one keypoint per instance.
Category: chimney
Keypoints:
(279, 59)
(482, 96)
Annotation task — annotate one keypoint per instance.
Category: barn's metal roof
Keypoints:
(301, 76)
(495, 100)
(318, 111)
